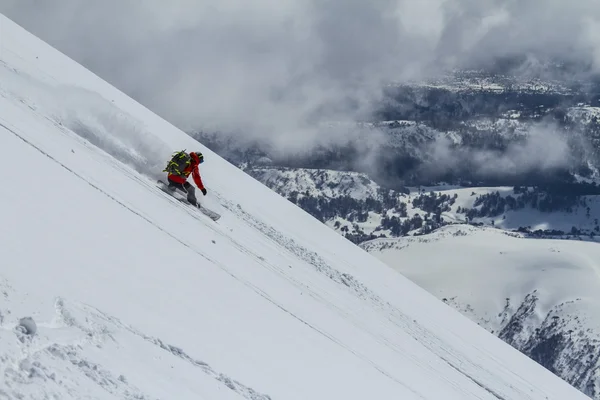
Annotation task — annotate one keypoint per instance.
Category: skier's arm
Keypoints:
(198, 180)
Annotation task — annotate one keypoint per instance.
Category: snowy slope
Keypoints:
(541, 296)
(137, 296)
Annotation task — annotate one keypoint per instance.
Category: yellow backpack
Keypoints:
(178, 163)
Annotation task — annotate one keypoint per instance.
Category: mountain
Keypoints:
(540, 296)
(110, 288)
(358, 208)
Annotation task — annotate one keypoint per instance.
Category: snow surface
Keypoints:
(137, 296)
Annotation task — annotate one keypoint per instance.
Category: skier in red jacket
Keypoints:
(178, 179)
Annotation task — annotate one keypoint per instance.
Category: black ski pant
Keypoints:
(186, 188)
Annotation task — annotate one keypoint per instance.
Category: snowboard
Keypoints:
(209, 213)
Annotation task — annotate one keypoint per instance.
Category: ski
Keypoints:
(209, 213)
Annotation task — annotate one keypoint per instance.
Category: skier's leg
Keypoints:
(176, 185)
(191, 193)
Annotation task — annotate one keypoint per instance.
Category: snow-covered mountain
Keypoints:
(541, 296)
(359, 209)
(317, 182)
(110, 288)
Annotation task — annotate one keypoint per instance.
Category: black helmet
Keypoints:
(197, 156)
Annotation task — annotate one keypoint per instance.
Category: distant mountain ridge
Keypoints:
(361, 210)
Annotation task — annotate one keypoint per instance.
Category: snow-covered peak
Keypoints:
(322, 182)
(135, 294)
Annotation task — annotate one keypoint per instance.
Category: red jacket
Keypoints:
(190, 169)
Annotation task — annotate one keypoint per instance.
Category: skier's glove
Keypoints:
(203, 191)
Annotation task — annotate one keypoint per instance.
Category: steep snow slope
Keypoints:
(138, 296)
(541, 296)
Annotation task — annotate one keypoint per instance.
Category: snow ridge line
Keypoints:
(232, 384)
(475, 381)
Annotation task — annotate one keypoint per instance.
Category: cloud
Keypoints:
(274, 69)
(545, 147)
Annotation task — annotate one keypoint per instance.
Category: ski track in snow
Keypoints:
(91, 328)
(232, 384)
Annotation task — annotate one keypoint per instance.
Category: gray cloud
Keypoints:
(272, 68)
(544, 147)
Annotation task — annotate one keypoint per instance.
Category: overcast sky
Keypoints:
(270, 67)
